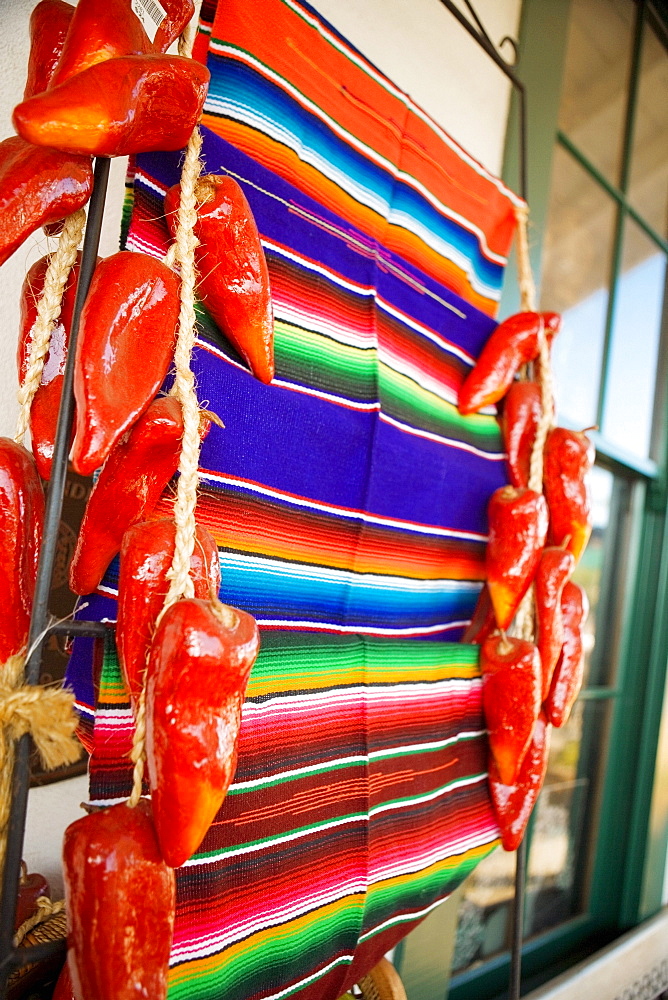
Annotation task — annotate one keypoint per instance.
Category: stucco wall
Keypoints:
(417, 43)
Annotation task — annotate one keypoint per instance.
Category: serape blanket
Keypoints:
(348, 502)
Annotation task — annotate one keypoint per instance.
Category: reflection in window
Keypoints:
(558, 856)
(648, 190)
(593, 97)
(627, 419)
(576, 273)
(589, 570)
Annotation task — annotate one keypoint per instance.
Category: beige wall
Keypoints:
(418, 44)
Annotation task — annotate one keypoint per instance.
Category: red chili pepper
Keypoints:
(46, 402)
(21, 524)
(522, 410)
(37, 186)
(234, 280)
(568, 674)
(569, 455)
(146, 556)
(120, 898)
(64, 989)
(31, 887)
(483, 620)
(128, 488)
(49, 24)
(125, 346)
(514, 801)
(514, 343)
(105, 29)
(510, 699)
(554, 570)
(517, 530)
(127, 105)
(198, 669)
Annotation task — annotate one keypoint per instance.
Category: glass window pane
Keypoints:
(629, 406)
(483, 920)
(576, 269)
(593, 98)
(560, 847)
(559, 854)
(648, 187)
(589, 570)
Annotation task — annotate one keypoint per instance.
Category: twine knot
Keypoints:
(47, 713)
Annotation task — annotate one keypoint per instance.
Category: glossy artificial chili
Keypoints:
(569, 455)
(201, 657)
(64, 989)
(46, 402)
(233, 275)
(554, 569)
(107, 29)
(132, 104)
(513, 802)
(514, 343)
(21, 526)
(522, 408)
(128, 488)
(511, 684)
(49, 24)
(32, 886)
(483, 619)
(517, 530)
(124, 350)
(120, 898)
(568, 674)
(146, 556)
(38, 186)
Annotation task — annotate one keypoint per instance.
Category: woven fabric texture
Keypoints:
(348, 501)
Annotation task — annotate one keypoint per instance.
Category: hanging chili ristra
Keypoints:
(517, 529)
(569, 455)
(514, 801)
(128, 488)
(125, 346)
(514, 343)
(49, 24)
(133, 104)
(46, 402)
(120, 899)
(38, 186)
(568, 674)
(510, 670)
(200, 660)
(21, 525)
(106, 29)
(483, 619)
(554, 569)
(522, 409)
(233, 276)
(146, 557)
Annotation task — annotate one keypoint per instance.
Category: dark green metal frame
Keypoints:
(626, 876)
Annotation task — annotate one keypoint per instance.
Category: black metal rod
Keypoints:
(517, 924)
(35, 953)
(56, 492)
(478, 32)
(95, 630)
(39, 623)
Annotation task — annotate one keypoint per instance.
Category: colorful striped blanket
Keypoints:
(348, 501)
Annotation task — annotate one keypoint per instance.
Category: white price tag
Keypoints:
(151, 13)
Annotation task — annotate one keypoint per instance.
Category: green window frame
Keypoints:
(629, 829)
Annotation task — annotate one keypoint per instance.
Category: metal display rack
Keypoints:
(42, 624)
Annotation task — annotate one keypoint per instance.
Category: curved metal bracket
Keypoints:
(477, 30)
